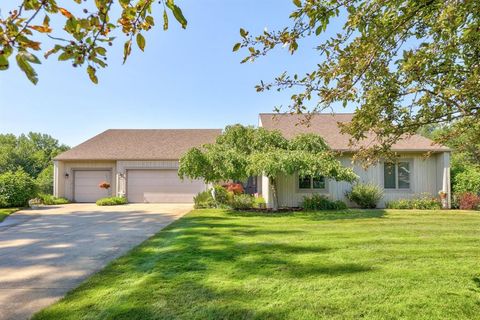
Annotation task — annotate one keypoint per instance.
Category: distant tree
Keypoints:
(241, 152)
(403, 64)
(88, 30)
(33, 153)
(463, 137)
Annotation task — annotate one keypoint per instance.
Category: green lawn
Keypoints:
(339, 265)
(5, 212)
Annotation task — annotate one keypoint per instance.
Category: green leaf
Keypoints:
(141, 41)
(177, 13)
(243, 33)
(165, 20)
(3, 62)
(298, 3)
(236, 46)
(27, 68)
(101, 51)
(65, 56)
(127, 48)
(30, 57)
(92, 74)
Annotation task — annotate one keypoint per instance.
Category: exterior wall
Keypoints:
(63, 185)
(429, 175)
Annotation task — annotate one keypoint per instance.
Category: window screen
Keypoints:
(304, 182)
(389, 176)
(319, 182)
(404, 175)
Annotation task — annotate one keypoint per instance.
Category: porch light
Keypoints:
(66, 175)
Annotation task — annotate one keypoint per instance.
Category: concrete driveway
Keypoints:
(44, 253)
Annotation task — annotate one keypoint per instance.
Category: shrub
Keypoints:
(111, 201)
(259, 202)
(467, 181)
(16, 188)
(222, 196)
(242, 201)
(468, 201)
(236, 188)
(204, 200)
(422, 202)
(320, 202)
(48, 199)
(44, 180)
(365, 195)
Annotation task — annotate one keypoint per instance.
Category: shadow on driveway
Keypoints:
(45, 253)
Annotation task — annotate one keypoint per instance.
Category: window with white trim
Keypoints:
(311, 183)
(397, 175)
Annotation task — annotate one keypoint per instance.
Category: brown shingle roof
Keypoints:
(325, 125)
(140, 144)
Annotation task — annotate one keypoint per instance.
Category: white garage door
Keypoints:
(160, 186)
(86, 185)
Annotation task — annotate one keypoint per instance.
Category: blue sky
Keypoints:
(185, 79)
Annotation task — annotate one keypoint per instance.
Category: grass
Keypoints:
(215, 264)
(5, 212)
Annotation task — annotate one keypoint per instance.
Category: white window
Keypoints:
(311, 183)
(397, 175)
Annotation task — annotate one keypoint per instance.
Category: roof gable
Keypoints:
(326, 125)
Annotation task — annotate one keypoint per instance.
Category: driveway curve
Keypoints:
(44, 253)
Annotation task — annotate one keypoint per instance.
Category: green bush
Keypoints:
(204, 200)
(467, 181)
(44, 180)
(111, 201)
(320, 202)
(259, 202)
(242, 201)
(16, 188)
(222, 196)
(422, 202)
(48, 199)
(365, 195)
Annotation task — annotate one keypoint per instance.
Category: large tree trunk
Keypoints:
(273, 183)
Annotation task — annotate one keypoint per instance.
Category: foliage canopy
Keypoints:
(88, 30)
(402, 63)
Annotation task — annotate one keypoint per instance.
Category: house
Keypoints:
(411, 175)
(142, 165)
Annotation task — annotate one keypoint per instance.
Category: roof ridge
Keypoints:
(315, 113)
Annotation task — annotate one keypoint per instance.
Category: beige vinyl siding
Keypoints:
(70, 166)
(424, 178)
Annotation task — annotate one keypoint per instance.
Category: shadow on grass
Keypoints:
(316, 215)
(207, 266)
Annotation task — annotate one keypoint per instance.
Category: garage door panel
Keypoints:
(86, 183)
(161, 186)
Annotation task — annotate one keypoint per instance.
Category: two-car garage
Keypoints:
(140, 164)
(142, 186)
(159, 186)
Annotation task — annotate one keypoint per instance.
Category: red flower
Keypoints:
(104, 185)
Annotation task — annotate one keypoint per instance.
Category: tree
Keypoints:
(33, 153)
(463, 137)
(241, 152)
(87, 31)
(403, 64)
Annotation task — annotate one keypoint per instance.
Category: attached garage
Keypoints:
(164, 185)
(86, 185)
(140, 164)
